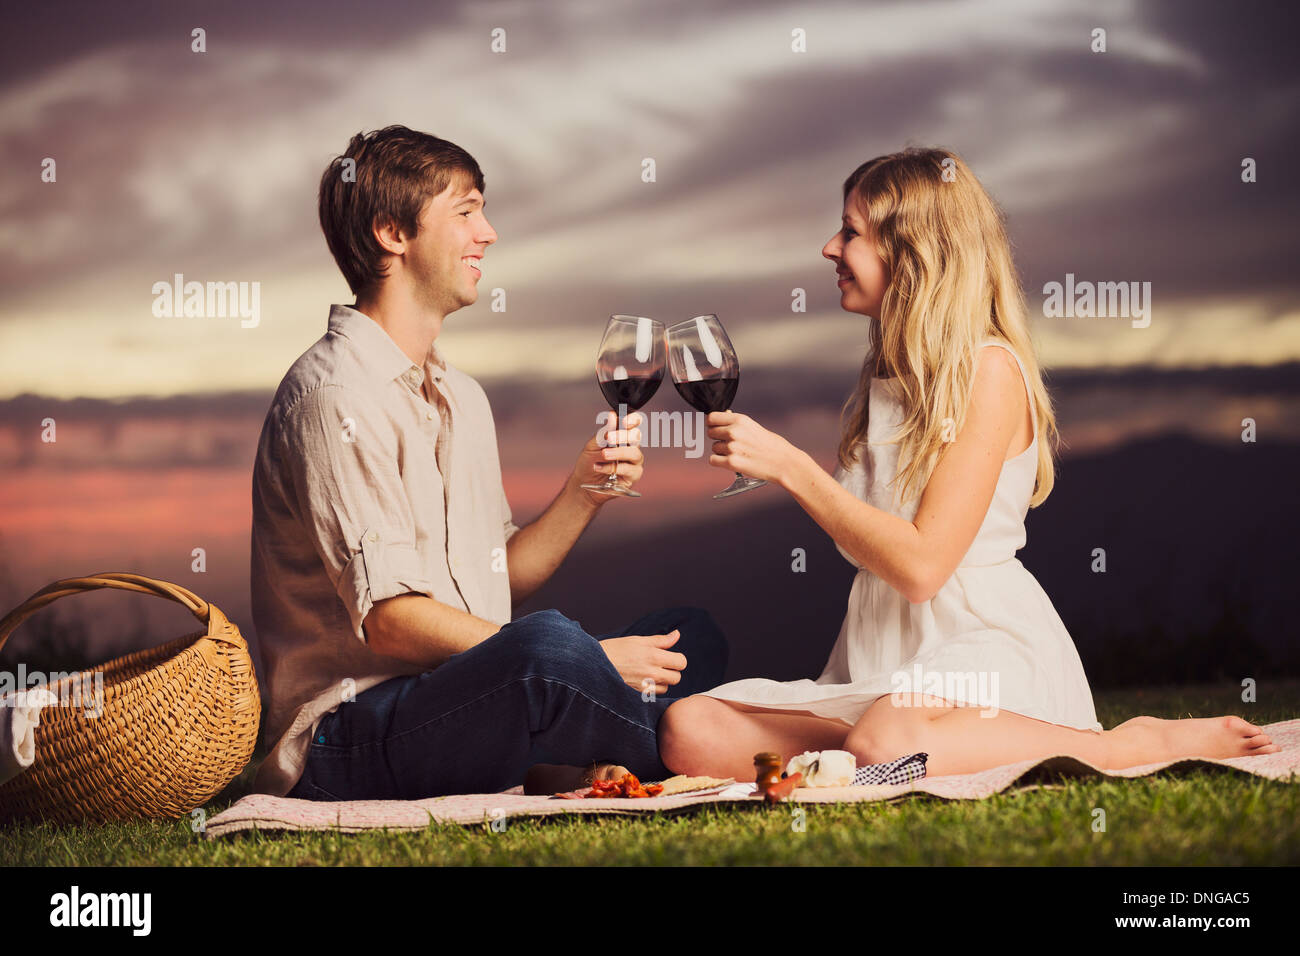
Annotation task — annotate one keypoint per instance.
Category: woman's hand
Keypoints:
(641, 659)
(611, 452)
(742, 444)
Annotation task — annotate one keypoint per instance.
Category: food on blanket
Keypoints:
(625, 786)
(670, 787)
(783, 788)
(767, 770)
(824, 768)
(684, 784)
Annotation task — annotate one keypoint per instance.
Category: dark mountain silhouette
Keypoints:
(1200, 580)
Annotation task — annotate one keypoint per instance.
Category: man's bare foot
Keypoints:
(602, 771)
(551, 778)
(1144, 740)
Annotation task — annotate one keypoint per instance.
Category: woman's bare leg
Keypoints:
(959, 739)
(701, 735)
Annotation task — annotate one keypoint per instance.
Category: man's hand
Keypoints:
(641, 658)
(619, 454)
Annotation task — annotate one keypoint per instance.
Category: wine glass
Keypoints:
(706, 372)
(629, 368)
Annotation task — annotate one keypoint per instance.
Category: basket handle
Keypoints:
(121, 580)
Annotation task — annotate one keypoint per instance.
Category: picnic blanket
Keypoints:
(264, 812)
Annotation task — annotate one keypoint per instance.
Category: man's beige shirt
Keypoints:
(363, 490)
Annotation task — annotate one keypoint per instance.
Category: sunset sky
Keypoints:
(1122, 166)
(1115, 166)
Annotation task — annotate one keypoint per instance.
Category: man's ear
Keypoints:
(390, 236)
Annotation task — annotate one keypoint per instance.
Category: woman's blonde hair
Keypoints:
(952, 285)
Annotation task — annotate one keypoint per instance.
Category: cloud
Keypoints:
(1120, 165)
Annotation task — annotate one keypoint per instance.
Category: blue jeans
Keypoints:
(540, 690)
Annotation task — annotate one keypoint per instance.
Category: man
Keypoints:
(384, 559)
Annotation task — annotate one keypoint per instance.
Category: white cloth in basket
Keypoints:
(20, 714)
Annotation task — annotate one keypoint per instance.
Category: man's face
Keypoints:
(444, 257)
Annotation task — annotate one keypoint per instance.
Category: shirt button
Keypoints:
(428, 416)
(374, 536)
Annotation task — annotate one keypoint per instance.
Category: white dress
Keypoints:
(989, 637)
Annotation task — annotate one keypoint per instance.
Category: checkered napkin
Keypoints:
(903, 770)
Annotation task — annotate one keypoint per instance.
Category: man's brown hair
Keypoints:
(393, 173)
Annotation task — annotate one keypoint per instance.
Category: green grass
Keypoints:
(1206, 817)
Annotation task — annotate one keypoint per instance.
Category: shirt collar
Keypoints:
(435, 363)
(379, 352)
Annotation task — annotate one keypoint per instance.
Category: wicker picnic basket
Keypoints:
(175, 724)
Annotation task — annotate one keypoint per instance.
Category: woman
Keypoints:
(949, 646)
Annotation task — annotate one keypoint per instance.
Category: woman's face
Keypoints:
(863, 275)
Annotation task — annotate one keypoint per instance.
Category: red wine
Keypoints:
(710, 394)
(633, 391)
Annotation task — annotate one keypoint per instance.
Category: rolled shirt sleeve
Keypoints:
(340, 456)
(507, 520)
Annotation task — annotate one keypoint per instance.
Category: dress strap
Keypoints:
(1024, 377)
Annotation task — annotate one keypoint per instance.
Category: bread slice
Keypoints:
(684, 784)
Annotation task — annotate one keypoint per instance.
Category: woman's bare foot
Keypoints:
(1144, 740)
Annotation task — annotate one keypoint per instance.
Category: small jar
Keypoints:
(767, 767)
